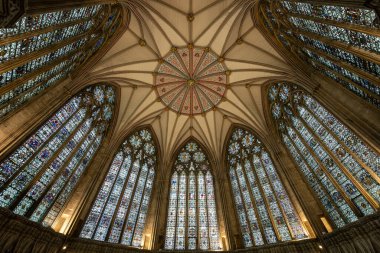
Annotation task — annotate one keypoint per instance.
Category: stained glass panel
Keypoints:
(40, 50)
(340, 42)
(265, 211)
(119, 212)
(192, 219)
(341, 169)
(37, 179)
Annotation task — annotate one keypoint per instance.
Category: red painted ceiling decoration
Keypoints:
(191, 80)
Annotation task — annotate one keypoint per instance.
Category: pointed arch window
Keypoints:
(265, 211)
(37, 179)
(119, 212)
(342, 43)
(341, 169)
(192, 218)
(40, 50)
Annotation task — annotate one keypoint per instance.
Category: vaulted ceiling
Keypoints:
(224, 26)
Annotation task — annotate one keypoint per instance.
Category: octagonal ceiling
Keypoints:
(156, 27)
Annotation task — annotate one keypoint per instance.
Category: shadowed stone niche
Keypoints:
(10, 11)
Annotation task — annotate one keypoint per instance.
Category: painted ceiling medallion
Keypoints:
(191, 80)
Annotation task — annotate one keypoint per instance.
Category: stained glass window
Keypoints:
(192, 219)
(39, 176)
(342, 43)
(341, 169)
(265, 211)
(119, 212)
(40, 50)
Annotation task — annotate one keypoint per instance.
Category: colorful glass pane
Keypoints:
(265, 211)
(119, 212)
(192, 219)
(340, 167)
(333, 39)
(39, 176)
(46, 48)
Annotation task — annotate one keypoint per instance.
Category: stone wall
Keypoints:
(19, 235)
(358, 237)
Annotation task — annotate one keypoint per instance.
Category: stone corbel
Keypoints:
(11, 11)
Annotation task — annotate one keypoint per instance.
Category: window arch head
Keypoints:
(339, 42)
(37, 179)
(265, 211)
(192, 218)
(40, 50)
(119, 211)
(341, 169)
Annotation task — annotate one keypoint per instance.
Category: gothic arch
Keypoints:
(49, 50)
(46, 168)
(295, 112)
(188, 240)
(255, 182)
(140, 139)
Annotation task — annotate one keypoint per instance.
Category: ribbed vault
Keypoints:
(227, 28)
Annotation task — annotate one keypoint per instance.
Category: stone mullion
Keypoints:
(353, 27)
(276, 198)
(257, 213)
(342, 167)
(108, 197)
(45, 167)
(350, 68)
(6, 184)
(344, 65)
(132, 196)
(186, 210)
(344, 78)
(282, 24)
(328, 174)
(41, 6)
(344, 3)
(318, 182)
(121, 196)
(176, 210)
(77, 184)
(365, 166)
(245, 209)
(26, 35)
(33, 74)
(34, 55)
(206, 207)
(197, 211)
(362, 53)
(139, 209)
(268, 209)
(19, 81)
(60, 172)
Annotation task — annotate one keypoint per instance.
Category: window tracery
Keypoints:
(40, 50)
(342, 170)
(340, 42)
(192, 218)
(119, 212)
(37, 179)
(266, 213)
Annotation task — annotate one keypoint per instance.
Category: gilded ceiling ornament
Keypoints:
(191, 80)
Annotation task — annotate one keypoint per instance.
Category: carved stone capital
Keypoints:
(11, 11)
